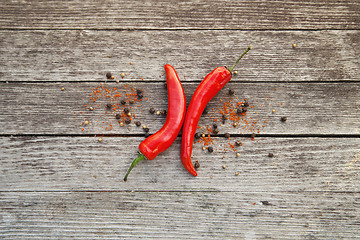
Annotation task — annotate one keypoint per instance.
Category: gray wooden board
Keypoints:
(155, 14)
(311, 108)
(85, 55)
(84, 163)
(179, 215)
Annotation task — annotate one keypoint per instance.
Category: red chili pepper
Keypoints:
(207, 89)
(162, 139)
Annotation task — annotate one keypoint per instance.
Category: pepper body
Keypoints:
(162, 139)
(207, 89)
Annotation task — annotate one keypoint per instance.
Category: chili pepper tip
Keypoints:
(237, 60)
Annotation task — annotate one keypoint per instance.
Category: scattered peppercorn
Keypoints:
(210, 149)
(146, 129)
(163, 112)
(138, 124)
(62, 89)
(224, 166)
(238, 143)
(123, 102)
(236, 174)
(100, 139)
(197, 165)
(91, 108)
(140, 95)
(118, 116)
(108, 75)
(86, 122)
(283, 119)
(244, 109)
(215, 126)
(235, 72)
(239, 111)
(139, 91)
(246, 103)
(122, 74)
(237, 154)
(126, 110)
(152, 110)
(235, 124)
(227, 135)
(294, 45)
(158, 112)
(112, 77)
(197, 135)
(109, 105)
(131, 101)
(224, 118)
(271, 155)
(253, 135)
(231, 92)
(128, 121)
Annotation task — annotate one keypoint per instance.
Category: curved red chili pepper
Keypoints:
(162, 139)
(207, 89)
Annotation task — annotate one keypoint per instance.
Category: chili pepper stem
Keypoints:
(133, 164)
(233, 66)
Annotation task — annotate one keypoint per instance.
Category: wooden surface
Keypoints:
(58, 181)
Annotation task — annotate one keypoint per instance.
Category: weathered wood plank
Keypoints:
(83, 163)
(179, 215)
(179, 14)
(311, 108)
(85, 55)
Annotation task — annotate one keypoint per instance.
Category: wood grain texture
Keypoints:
(85, 55)
(154, 14)
(311, 108)
(179, 215)
(83, 163)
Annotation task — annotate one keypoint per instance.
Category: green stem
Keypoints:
(233, 66)
(133, 164)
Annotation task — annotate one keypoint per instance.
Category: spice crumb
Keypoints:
(122, 75)
(283, 119)
(100, 139)
(271, 155)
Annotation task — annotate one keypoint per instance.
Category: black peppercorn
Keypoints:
(197, 135)
(109, 105)
(128, 121)
(244, 109)
(140, 95)
(131, 101)
(138, 124)
(123, 102)
(283, 119)
(215, 126)
(210, 149)
(138, 91)
(163, 112)
(126, 110)
(246, 103)
(271, 155)
(238, 143)
(118, 116)
(197, 165)
(146, 129)
(239, 111)
(227, 135)
(231, 92)
(152, 110)
(108, 75)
